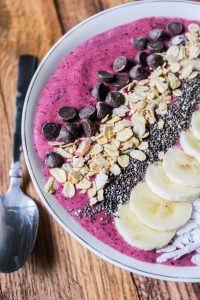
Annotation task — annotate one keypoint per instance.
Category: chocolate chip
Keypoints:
(100, 91)
(67, 113)
(155, 46)
(75, 129)
(88, 112)
(65, 136)
(104, 76)
(138, 73)
(141, 58)
(120, 63)
(103, 110)
(50, 130)
(114, 99)
(140, 43)
(121, 80)
(54, 160)
(154, 60)
(89, 127)
(157, 35)
(175, 28)
(177, 40)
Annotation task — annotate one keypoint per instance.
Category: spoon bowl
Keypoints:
(19, 224)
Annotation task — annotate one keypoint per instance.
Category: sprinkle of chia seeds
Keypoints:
(177, 118)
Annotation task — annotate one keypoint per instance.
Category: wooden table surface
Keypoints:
(59, 267)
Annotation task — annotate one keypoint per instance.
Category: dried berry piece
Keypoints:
(154, 60)
(121, 80)
(75, 129)
(114, 99)
(141, 58)
(103, 110)
(175, 28)
(138, 73)
(104, 76)
(100, 91)
(140, 43)
(120, 63)
(177, 40)
(67, 113)
(54, 160)
(89, 127)
(65, 136)
(157, 34)
(88, 112)
(51, 130)
(155, 46)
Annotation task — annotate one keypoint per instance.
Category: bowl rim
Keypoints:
(34, 178)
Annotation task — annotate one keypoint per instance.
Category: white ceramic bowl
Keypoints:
(86, 29)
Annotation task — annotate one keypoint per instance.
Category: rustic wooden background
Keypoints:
(59, 267)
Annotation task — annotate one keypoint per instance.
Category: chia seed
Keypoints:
(177, 118)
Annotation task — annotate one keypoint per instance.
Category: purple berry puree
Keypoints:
(71, 84)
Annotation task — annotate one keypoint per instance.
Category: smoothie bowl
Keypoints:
(111, 135)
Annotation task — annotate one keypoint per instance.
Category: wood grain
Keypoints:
(59, 267)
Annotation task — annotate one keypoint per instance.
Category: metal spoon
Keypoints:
(18, 213)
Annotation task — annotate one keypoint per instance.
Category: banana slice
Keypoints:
(195, 124)
(157, 213)
(137, 234)
(190, 144)
(181, 168)
(167, 189)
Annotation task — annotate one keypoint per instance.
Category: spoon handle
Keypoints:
(26, 69)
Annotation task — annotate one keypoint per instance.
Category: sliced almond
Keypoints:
(59, 174)
(84, 184)
(118, 127)
(55, 143)
(69, 190)
(50, 186)
(102, 162)
(139, 123)
(186, 71)
(121, 110)
(138, 154)
(105, 119)
(84, 170)
(96, 149)
(143, 146)
(64, 153)
(100, 180)
(115, 169)
(177, 93)
(111, 150)
(100, 195)
(160, 126)
(95, 168)
(84, 147)
(193, 75)
(175, 67)
(74, 176)
(92, 201)
(123, 161)
(102, 140)
(124, 135)
(78, 162)
(92, 190)
(113, 120)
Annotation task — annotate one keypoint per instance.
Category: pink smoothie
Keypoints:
(70, 84)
